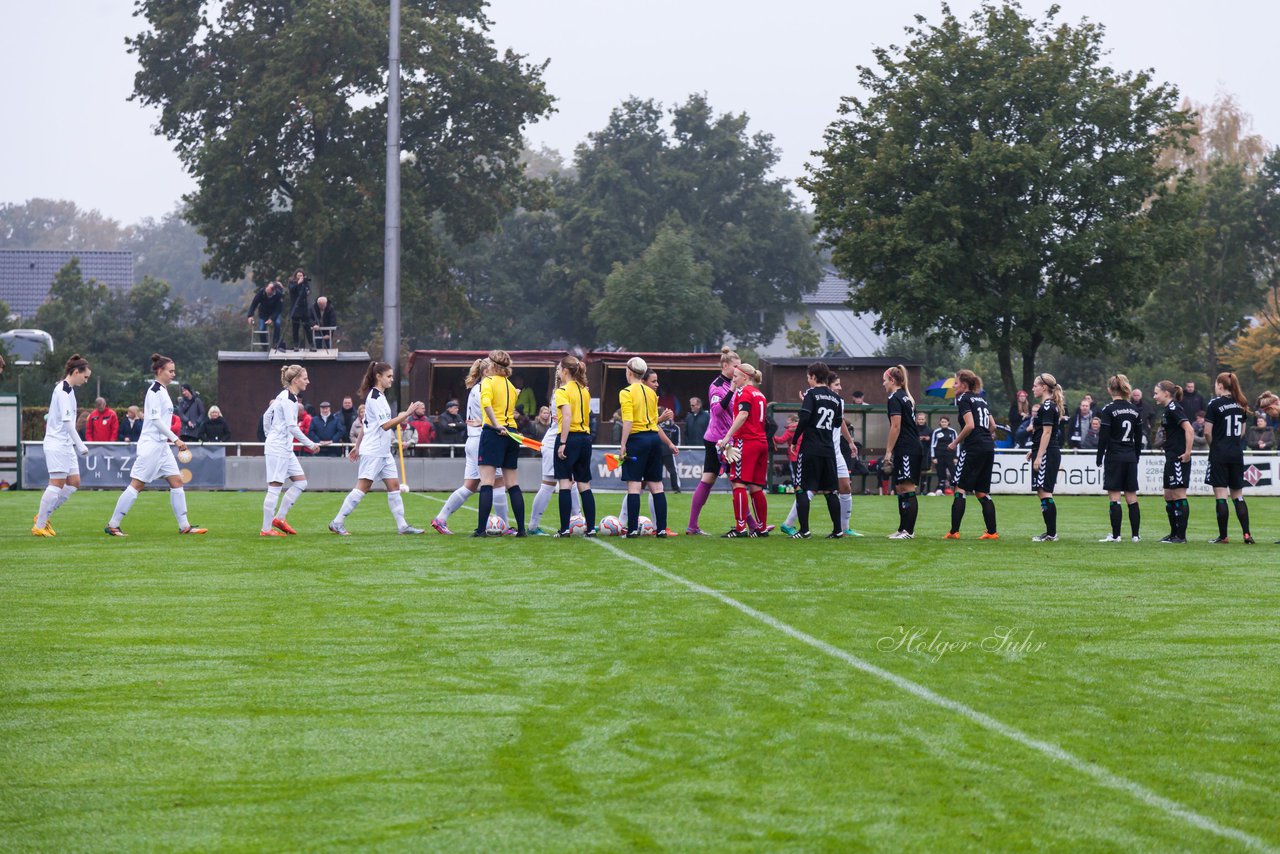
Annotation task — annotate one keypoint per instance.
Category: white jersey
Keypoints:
(280, 425)
(60, 429)
(157, 415)
(553, 429)
(376, 442)
(475, 412)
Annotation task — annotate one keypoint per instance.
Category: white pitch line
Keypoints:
(1091, 769)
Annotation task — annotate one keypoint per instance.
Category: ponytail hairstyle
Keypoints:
(820, 372)
(76, 364)
(1231, 383)
(1170, 388)
(728, 357)
(500, 363)
(576, 369)
(639, 367)
(970, 379)
(289, 373)
(753, 376)
(1055, 390)
(370, 375)
(158, 362)
(1269, 403)
(478, 367)
(898, 374)
(1119, 385)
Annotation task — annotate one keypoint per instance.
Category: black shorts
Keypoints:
(818, 474)
(497, 450)
(1225, 474)
(1177, 474)
(644, 458)
(576, 465)
(973, 469)
(906, 468)
(711, 461)
(1045, 478)
(1120, 476)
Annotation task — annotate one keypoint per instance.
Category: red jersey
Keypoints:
(750, 400)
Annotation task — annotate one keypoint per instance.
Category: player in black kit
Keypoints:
(904, 451)
(819, 414)
(1046, 451)
(1224, 421)
(1120, 443)
(977, 455)
(1177, 459)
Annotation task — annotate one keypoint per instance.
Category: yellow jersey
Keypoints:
(578, 399)
(639, 405)
(499, 394)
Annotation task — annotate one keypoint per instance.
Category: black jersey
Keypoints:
(939, 442)
(1120, 436)
(908, 434)
(820, 415)
(1047, 415)
(979, 439)
(1175, 441)
(1228, 419)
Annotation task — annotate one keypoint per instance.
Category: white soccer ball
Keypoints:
(185, 455)
(611, 527)
(645, 527)
(577, 526)
(496, 527)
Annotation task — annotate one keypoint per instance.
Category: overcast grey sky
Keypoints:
(69, 132)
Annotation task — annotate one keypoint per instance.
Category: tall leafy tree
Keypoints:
(278, 109)
(994, 186)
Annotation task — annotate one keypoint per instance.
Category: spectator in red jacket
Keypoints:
(304, 424)
(103, 425)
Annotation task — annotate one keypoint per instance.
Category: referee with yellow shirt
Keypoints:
(497, 450)
(640, 448)
(573, 443)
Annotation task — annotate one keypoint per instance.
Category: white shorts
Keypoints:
(842, 466)
(471, 468)
(154, 461)
(282, 467)
(61, 461)
(548, 462)
(377, 468)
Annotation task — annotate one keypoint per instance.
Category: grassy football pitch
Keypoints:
(376, 691)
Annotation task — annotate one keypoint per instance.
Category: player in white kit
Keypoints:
(61, 445)
(280, 426)
(471, 469)
(154, 459)
(373, 450)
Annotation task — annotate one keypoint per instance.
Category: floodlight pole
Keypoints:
(391, 243)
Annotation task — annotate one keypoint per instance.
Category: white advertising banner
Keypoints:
(1079, 475)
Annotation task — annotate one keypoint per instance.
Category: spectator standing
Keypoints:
(943, 458)
(421, 424)
(451, 427)
(190, 411)
(299, 306)
(215, 428)
(357, 427)
(1080, 422)
(304, 424)
(526, 400)
(348, 415)
(324, 317)
(328, 430)
(131, 426)
(1020, 418)
(1146, 412)
(1261, 436)
(856, 399)
(1198, 440)
(103, 425)
(1192, 402)
(696, 422)
(269, 304)
(1090, 438)
(540, 425)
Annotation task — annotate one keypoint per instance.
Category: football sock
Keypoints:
(1050, 512)
(67, 492)
(349, 504)
(1171, 509)
(291, 495)
(588, 501)
(566, 509)
(123, 505)
(633, 511)
(486, 508)
(459, 497)
(1185, 517)
(1220, 508)
(833, 507)
(1135, 518)
(1113, 510)
(846, 509)
(802, 510)
(269, 506)
(540, 503)
(740, 507)
(957, 512)
(623, 515)
(178, 501)
(396, 502)
(1242, 513)
(910, 510)
(760, 504)
(699, 498)
(988, 513)
(500, 504)
(48, 502)
(516, 496)
(575, 498)
(660, 510)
